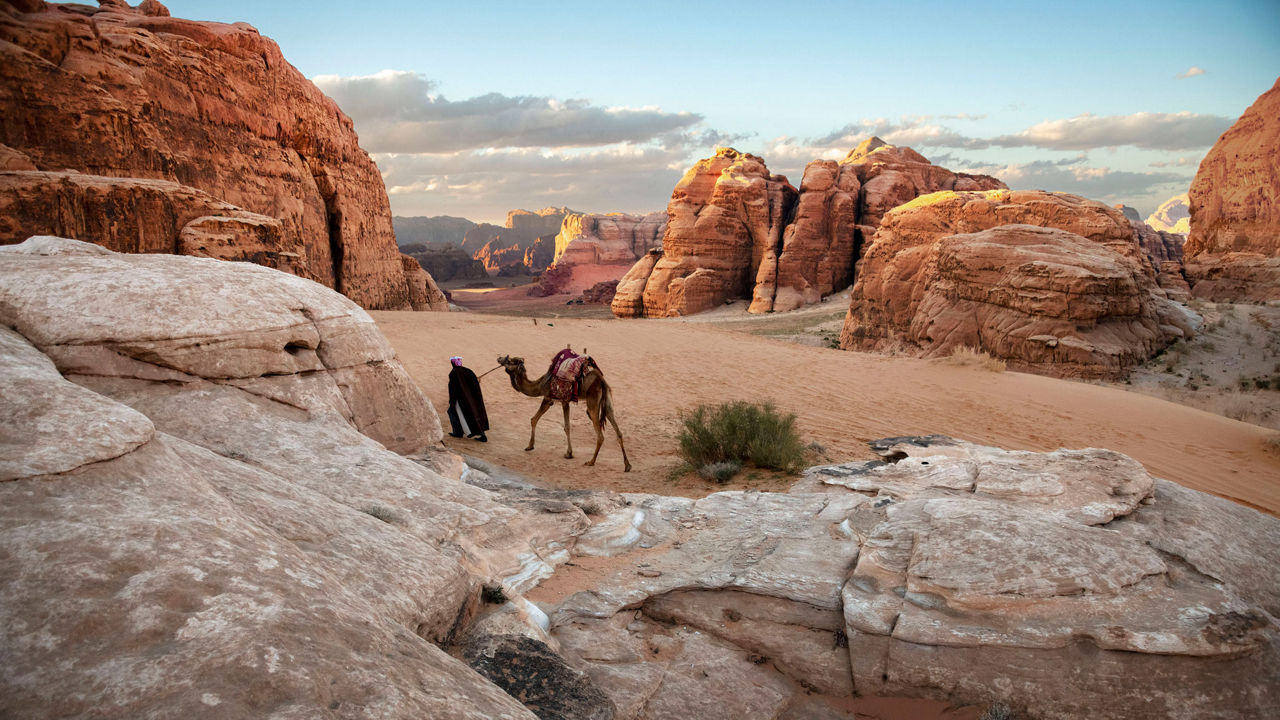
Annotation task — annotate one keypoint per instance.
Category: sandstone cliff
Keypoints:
(527, 240)
(446, 262)
(439, 230)
(977, 270)
(210, 522)
(725, 214)
(810, 250)
(1233, 251)
(598, 248)
(134, 93)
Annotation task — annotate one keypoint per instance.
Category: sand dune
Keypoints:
(842, 399)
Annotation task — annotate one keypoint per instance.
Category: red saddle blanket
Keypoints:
(567, 368)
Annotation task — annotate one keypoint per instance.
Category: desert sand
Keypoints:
(657, 368)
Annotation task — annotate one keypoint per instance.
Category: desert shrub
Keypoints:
(1272, 444)
(740, 432)
(965, 356)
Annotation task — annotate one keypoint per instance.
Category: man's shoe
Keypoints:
(482, 438)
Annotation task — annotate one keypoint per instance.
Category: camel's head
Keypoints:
(511, 364)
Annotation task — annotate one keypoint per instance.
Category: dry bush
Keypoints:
(965, 356)
(1272, 444)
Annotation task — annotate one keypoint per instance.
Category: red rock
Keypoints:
(1082, 302)
(607, 244)
(132, 93)
(1233, 251)
(141, 216)
(724, 215)
(628, 300)
(424, 294)
(807, 249)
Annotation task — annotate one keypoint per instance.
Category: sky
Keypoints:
(475, 108)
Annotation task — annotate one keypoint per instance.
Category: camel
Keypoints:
(594, 391)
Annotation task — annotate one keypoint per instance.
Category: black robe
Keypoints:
(466, 400)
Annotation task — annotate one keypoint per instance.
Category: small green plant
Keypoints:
(740, 432)
(721, 472)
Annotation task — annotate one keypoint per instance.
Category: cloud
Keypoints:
(1138, 189)
(400, 112)
(1183, 161)
(1190, 73)
(484, 184)
(1146, 130)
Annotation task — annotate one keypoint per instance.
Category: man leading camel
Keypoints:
(466, 403)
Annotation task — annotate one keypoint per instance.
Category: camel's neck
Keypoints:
(533, 388)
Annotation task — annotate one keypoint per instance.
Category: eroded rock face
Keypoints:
(725, 214)
(448, 262)
(903, 579)
(195, 474)
(1163, 251)
(1049, 281)
(1233, 251)
(424, 294)
(811, 241)
(134, 93)
(612, 239)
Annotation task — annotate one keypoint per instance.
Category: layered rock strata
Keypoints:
(809, 251)
(1233, 251)
(596, 248)
(447, 262)
(725, 214)
(198, 486)
(128, 93)
(1048, 281)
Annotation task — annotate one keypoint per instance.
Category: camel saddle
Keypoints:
(567, 369)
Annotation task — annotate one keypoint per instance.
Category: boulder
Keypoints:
(943, 273)
(424, 294)
(1233, 251)
(1059, 584)
(134, 93)
(196, 474)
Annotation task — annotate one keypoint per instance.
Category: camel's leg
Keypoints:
(533, 424)
(568, 441)
(593, 411)
(614, 421)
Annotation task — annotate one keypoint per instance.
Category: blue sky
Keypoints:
(472, 109)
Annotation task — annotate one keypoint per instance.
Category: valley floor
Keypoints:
(658, 368)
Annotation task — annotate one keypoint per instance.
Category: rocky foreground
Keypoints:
(204, 514)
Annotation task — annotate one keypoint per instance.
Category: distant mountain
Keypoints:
(1174, 215)
(437, 231)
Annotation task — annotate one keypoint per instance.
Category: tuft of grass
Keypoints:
(740, 432)
(381, 512)
(965, 356)
(998, 711)
(1272, 444)
(721, 472)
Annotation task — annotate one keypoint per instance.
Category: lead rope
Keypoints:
(489, 371)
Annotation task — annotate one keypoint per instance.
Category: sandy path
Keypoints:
(842, 399)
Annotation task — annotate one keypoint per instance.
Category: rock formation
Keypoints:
(1173, 215)
(134, 93)
(980, 270)
(725, 214)
(814, 251)
(527, 240)
(446, 262)
(595, 248)
(1233, 252)
(206, 518)
(439, 230)
(1163, 251)
(424, 294)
